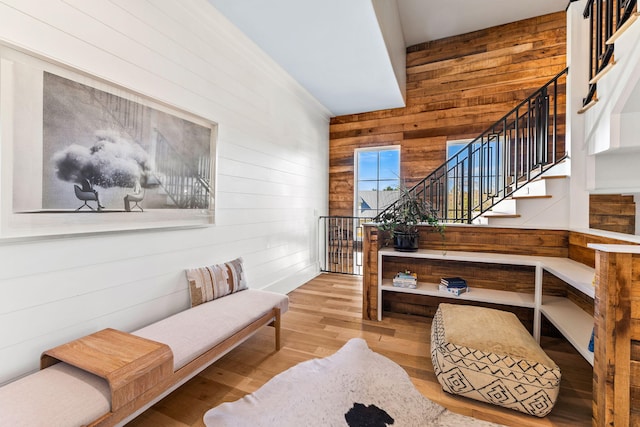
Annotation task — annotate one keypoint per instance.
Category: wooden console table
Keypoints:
(572, 321)
(130, 364)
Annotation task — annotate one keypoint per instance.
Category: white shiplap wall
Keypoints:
(271, 173)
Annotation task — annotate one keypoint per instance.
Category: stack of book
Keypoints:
(405, 280)
(453, 285)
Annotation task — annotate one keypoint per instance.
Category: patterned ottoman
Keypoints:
(488, 355)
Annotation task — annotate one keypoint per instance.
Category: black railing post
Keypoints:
(542, 137)
(598, 40)
(527, 161)
(609, 20)
(505, 156)
(469, 183)
(554, 147)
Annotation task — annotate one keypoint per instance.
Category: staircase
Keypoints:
(510, 164)
(541, 202)
(516, 172)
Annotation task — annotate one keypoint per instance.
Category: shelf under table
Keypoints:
(576, 274)
(481, 257)
(573, 322)
(473, 294)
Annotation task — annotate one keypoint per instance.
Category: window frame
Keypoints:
(356, 171)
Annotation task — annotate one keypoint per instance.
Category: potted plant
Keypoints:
(402, 221)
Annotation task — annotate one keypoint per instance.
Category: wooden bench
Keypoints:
(110, 377)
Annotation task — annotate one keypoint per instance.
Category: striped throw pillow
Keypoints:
(215, 281)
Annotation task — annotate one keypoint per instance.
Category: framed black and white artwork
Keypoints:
(82, 155)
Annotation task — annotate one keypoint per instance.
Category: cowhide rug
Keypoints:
(355, 387)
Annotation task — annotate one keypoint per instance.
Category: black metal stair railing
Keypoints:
(513, 151)
(605, 18)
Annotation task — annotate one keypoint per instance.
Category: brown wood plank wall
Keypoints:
(616, 376)
(456, 88)
(371, 244)
(579, 250)
(612, 212)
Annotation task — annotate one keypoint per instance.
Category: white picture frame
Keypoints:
(137, 163)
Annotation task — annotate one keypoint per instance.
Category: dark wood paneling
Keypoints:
(478, 275)
(500, 240)
(456, 88)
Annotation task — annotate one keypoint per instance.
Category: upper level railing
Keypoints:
(605, 18)
(340, 239)
(510, 153)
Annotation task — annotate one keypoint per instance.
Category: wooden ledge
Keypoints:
(500, 215)
(130, 364)
(553, 176)
(602, 72)
(593, 102)
(532, 196)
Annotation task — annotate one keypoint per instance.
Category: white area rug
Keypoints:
(355, 387)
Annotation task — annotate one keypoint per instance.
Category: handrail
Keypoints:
(605, 18)
(508, 154)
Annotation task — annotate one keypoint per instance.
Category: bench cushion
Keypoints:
(60, 395)
(192, 332)
(488, 355)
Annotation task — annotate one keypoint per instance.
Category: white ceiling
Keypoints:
(346, 52)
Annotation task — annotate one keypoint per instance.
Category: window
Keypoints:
(377, 178)
(453, 147)
(474, 174)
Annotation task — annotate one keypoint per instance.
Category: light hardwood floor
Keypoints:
(324, 314)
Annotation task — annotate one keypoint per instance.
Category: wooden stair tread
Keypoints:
(500, 215)
(589, 105)
(553, 177)
(602, 72)
(532, 196)
(622, 28)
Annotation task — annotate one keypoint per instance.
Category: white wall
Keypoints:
(577, 82)
(271, 180)
(389, 20)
